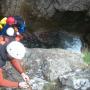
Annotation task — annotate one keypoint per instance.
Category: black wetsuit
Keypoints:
(3, 53)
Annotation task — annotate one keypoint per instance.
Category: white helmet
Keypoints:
(16, 50)
(10, 31)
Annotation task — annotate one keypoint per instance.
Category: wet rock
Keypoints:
(57, 64)
(45, 65)
(38, 83)
(78, 80)
(59, 39)
(43, 62)
(67, 88)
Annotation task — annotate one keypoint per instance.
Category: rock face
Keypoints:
(48, 7)
(46, 66)
(10, 7)
(43, 7)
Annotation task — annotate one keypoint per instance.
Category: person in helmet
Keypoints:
(4, 24)
(8, 26)
(6, 45)
(13, 21)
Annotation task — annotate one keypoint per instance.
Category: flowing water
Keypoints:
(58, 39)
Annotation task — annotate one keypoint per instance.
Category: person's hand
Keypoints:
(25, 77)
(23, 85)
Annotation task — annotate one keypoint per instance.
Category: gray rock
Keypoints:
(44, 65)
(72, 5)
(67, 88)
(9, 7)
(50, 63)
(48, 7)
(38, 83)
(78, 80)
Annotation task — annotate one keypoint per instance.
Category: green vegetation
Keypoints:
(87, 57)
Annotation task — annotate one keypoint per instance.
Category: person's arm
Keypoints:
(7, 83)
(16, 64)
(11, 84)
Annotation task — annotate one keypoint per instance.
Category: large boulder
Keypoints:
(52, 62)
(45, 66)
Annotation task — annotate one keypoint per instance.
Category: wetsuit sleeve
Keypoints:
(7, 83)
(16, 64)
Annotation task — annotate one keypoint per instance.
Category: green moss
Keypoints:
(87, 57)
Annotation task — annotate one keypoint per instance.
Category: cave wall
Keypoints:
(11, 7)
(54, 13)
(42, 7)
